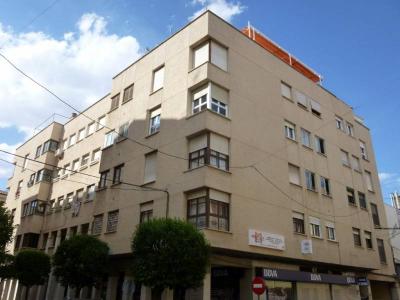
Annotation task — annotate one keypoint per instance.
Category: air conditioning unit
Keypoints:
(59, 153)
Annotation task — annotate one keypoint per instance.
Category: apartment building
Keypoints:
(393, 221)
(217, 127)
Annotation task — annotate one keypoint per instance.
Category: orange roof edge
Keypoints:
(281, 53)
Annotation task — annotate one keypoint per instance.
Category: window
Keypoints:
(375, 215)
(49, 145)
(123, 132)
(345, 158)
(85, 159)
(72, 140)
(81, 134)
(96, 154)
(155, 120)
(355, 162)
(44, 175)
(339, 123)
(315, 227)
(117, 174)
(68, 199)
(90, 192)
(97, 224)
(25, 163)
(114, 102)
(310, 180)
(301, 99)
(150, 167)
(85, 228)
(75, 165)
(38, 151)
(286, 90)
(294, 174)
(158, 79)
(60, 201)
(315, 108)
(146, 211)
(31, 180)
(290, 130)
(325, 186)
(357, 237)
(363, 150)
(128, 94)
(112, 221)
(91, 128)
(109, 138)
(349, 129)
(381, 250)
(103, 179)
(210, 96)
(209, 209)
(368, 239)
(362, 200)
(298, 223)
(305, 137)
(101, 122)
(79, 194)
(44, 240)
(209, 149)
(320, 145)
(65, 144)
(330, 231)
(368, 181)
(351, 199)
(19, 187)
(73, 231)
(219, 55)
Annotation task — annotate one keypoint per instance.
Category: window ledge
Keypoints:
(364, 209)
(64, 176)
(302, 106)
(310, 190)
(121, 139)
(296, 185)
(88, 200)
(373, 192)
(333, 241)
(152, 134)
(154, 92)
(149, 182)
(209, 110)
(94, 162)
(358, 171)
(322, 154)
(286, 98)
(217, 230)
(353, 205)
(126, 101)
(299, 233)
(209, 166)
(110, 232)
(99, 189)
(327, 196)
(292, 140)
(358, 247)
(319, 238)
(116, 184)
(113, 109)
(316, 115)
(107, 147)
(346, 165)
(366, 159)
(83, 167)
(307, 147)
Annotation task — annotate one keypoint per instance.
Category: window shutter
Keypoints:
(155, 112)
(220, 196)
(294, 174)
(219, 94)
(158, 80)
(146, 206)
(329, 224)
(219, 143)
(197, 143)
(219, 56)
(315, 105)
(300, 98)
(286, 90)
(150, 167)
(297, 215)
(197, 194)
(314, 221)
(200, 55)
(200, 92)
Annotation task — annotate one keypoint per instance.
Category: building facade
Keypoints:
(393, 220)
(211, 127)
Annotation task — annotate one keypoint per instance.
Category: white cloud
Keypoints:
(223, 8)
(78, 67)
(6, 169)
(383, 177)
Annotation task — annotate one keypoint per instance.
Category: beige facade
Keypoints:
(248, 149)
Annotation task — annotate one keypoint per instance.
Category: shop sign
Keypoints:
(266, 240)
(363, 281)
(289, 275)
(306, 246)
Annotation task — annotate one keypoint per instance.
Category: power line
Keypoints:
(86, 174)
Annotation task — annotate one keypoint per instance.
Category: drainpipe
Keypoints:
(167, 206)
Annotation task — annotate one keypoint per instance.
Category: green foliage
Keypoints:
(6, 230)
(32, 267)
(7, 269)
(81, 261)
(169, 253)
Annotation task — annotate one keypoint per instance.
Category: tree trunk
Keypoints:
(179, 294)
(27, 292)
(156, 294)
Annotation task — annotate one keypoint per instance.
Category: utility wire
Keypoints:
(86, 174)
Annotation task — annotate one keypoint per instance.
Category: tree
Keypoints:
(32, 267)
(169, 253)
(81, 261)
(6, 231)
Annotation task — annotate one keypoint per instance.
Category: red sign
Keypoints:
(258, 286)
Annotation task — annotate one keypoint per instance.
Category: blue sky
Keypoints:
(353, 44)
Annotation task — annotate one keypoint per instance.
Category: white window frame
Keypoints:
(345, 158)
(290, 130)
(325, 186)
(207, 101)
(101, 122)
(158, 78)
(306, 138)
(286, 90)
(339, 123)
(154, 120)
(296, 173)
(363, 150)
(81, 134)
(212, 52)
(310, 176)
(315, 227)
(72, 140)
(349, 129)
(95, 151)
(91, 128)
(109, 139)
(330, 231)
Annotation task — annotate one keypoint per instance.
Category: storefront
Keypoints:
(297, 285)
